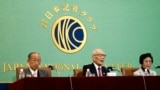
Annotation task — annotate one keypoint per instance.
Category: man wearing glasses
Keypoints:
(96, 68)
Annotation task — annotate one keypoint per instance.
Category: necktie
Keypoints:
(99, 72)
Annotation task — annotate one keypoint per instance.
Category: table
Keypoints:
(88, 83)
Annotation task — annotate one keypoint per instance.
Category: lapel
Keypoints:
(103, 70)
(141, 71)
(38, 72)
(93, 69)
(28, 71)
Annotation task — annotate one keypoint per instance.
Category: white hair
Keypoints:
(96, 51)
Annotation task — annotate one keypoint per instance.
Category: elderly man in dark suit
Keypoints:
(34, 60)
(96, 68)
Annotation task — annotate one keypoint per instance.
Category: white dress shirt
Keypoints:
(96, 66)
(34, 73)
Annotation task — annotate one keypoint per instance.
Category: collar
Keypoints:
(97, 66)
(144, 70)
(32, 71)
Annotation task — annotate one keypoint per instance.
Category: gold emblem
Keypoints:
(68, 32)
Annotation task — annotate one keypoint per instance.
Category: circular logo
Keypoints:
(69, 34)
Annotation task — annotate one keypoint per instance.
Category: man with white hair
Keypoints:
(96, 68)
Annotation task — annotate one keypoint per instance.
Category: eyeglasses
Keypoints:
(100, 55)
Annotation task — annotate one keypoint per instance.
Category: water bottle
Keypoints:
(88, 73)
(21, 74)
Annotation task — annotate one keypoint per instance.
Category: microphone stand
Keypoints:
(110, 68)
(52, 67)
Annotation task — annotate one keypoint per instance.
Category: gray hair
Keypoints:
(96, 51)
(29, 55)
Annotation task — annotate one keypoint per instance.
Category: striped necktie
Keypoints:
(99, 72)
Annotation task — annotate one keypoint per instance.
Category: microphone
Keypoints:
(157, 67)
(110, 68)
(53, 67)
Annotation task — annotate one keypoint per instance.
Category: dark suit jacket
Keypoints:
(93, 69)
(41, 73)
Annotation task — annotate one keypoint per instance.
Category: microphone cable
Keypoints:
(70, 79)
(58, 74)
(144, 81)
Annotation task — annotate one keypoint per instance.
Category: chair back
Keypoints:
(78, 72)
(128, 71)
(40, 68)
